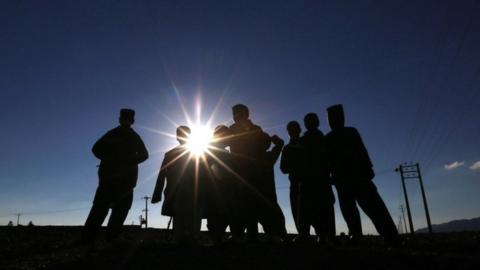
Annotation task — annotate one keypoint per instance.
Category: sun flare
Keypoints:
(199, 139)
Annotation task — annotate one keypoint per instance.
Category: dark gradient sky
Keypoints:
(406, 71)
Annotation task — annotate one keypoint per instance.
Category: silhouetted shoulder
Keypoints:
(109, 134)
(175, 152)
(102, 147)
(250, 126)
(352, 130)
(342, 132)
(311, 136)
(256, 127)
(114, 131)
(134, 133)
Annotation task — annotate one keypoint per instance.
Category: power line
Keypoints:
(436, 134)
(52, 211)
(424, 143)
(412, 137)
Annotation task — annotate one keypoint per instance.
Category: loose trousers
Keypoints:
(365, 194)
(107, 197)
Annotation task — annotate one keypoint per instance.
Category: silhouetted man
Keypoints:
(181, 197)
(245, 146)
(351, 169)
(268, 211)
(120, 151)
(221, 189)
(293, 163)
(317, 198)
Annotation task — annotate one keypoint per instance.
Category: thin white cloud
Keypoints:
(475, 166)
(456, 165)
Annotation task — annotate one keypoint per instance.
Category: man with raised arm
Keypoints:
(293, 163)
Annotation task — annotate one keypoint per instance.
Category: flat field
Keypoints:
(55, 247)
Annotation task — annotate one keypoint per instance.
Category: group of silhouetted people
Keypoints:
(232, 185)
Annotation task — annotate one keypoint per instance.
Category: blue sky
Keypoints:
(406, 72)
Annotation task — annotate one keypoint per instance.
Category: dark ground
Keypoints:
(55, 248)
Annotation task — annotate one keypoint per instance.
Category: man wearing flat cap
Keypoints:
(120, 151)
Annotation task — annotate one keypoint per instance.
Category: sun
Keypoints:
(199, 139)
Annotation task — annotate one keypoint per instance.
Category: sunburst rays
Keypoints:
(201, 144)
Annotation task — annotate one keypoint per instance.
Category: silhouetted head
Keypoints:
(336, 116)
(127, 117)
(240, 113)
(294, 129)
(221, 135)
(311, 121)
(182, 134)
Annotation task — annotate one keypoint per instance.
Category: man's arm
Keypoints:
(277, 149)
(162, 175)
(142, 153)
(361, 149)
(100, 148)
(284, 161)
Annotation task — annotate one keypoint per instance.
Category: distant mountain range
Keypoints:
(460, 225)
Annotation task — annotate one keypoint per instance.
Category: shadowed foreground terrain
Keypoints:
(54, 247)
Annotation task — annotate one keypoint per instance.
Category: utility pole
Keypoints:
(403, 215)
(18, 218)
(399, 224)
(146, 198)
(412, 171)
(424, 197)
(410, 222)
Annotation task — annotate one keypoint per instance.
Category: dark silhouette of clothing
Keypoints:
(293, 163)
(116, 198)
(351, 169)
(221, 192)
(182, 194)
(348, 156)
(245, 146)
(316, 195)
(268, 211)
(177, 176)
(120, 151)
(364, 194)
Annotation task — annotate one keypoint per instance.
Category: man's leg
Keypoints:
(348, 206)
(97, 215)
(120, 211)
(178, 227)
(254, 215)
(294, 204)
(217, 218)
(323, 213)
(252, 229)
(372, 204)
(329, 221)
(279, 222)
(240, 213)
(304, 211)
